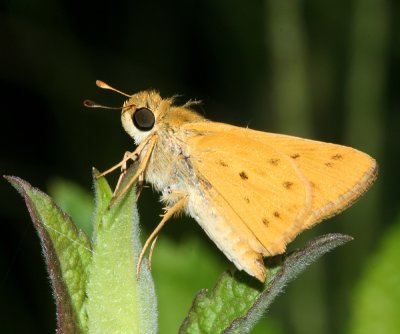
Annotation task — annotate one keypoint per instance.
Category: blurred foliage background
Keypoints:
(326, 70)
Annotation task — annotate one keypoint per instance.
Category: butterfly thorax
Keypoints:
(170, 169)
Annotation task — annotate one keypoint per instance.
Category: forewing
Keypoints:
(254, 186)
(332, 176)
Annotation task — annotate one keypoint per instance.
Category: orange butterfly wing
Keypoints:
(272, 186)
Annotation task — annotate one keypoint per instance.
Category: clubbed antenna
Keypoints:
(92, 104)
(103, 85)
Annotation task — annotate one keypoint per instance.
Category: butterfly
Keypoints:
(252, 192)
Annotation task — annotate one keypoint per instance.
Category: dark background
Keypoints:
(327, 70)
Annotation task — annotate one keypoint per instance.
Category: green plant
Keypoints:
(94, 281)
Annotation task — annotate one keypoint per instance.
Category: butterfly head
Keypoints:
(145, 113)
(142, 114)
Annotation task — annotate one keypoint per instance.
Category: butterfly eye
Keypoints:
(143, 119)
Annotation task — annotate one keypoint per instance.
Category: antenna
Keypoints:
(103, 85)
(92, 104)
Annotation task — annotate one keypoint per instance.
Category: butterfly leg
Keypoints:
(140, 170)
(140, 186)
(151, 251)
(140, 182)
(153, 236)
(127, 156)
(134, 156)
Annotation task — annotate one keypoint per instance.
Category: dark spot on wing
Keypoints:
(223, 163)
(288, 185)
(274, 162)
(247, 199)
(329, 164)
(277, 214)
(337, 157)
(265, 221)
(243, 175)
(295, 156)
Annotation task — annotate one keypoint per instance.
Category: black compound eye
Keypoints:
(143, 119)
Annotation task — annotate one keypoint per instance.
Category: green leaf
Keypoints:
(376, 304)
(180, 269)
(71, 198)
(118, 302)
(238, 301)
(102, 195)
(95, 288)
(67, 253)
